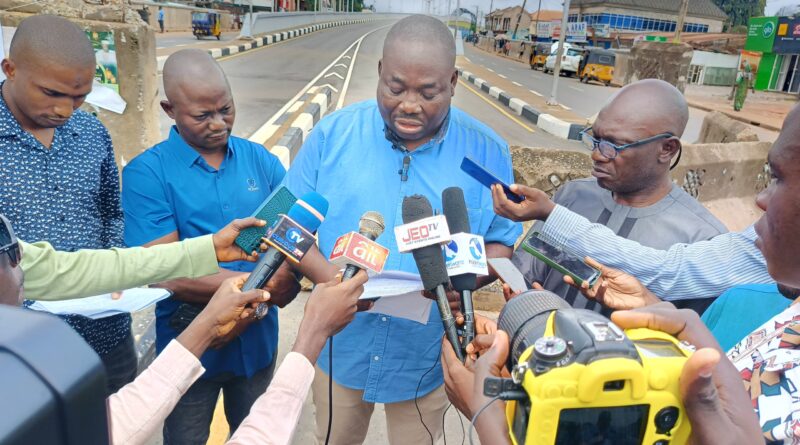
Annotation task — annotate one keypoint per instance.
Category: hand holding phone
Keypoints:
(561, 261)
(485, 177)
(536, 206)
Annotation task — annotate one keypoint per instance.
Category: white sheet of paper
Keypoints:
(105, 97)
(400, 294)
(101, 306)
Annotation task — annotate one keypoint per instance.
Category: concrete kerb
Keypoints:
(266, 40)
(544, 121)
(314, 108)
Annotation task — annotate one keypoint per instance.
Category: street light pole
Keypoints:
(557, 70)
(519, 17)
(681, 18)
(536, 24)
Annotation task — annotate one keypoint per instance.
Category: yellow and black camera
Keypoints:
(577, 378)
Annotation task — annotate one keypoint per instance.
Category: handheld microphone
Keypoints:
(432, 270)
(290, 237)
(464, 253)
(359, 250)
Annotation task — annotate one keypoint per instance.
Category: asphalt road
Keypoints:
(263, 80)
(170, 39)
(583, 99)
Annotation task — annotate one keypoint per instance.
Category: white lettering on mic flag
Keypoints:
(465, 253)
(421, 233)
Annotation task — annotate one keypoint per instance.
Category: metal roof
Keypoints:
(697, 8)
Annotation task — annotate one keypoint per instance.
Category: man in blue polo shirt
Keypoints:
(191, 185)
(369, 156)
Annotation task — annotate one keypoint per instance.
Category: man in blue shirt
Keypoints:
(191, 185)
(369, 156)
(58, 178)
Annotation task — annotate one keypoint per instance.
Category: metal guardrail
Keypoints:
(266, 22)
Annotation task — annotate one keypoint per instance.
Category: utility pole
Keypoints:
(536, 23)
(489, 27)
(681, 18)
(449, 13)
(519, 17)
(557, 70)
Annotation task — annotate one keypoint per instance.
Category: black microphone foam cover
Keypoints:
(455, 211)
(429, 259)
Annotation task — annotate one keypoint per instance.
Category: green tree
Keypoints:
(740, 11)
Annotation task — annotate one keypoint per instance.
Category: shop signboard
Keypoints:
(761, 34)
(787, 37)
(576, 32)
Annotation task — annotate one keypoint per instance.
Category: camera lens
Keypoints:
(666, 419)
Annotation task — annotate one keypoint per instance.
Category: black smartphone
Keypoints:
(561, 261)
(485, 177)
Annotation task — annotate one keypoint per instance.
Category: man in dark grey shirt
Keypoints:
(633, 141)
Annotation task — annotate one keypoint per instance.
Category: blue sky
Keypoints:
(412, 6)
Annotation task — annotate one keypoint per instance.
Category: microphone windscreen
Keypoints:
(416, 207)
(371, 225)
(455, 210)
(309, 211)
(429, 259)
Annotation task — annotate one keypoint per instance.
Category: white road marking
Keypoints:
(536, 93)
(516, 83)
(490, 69)
(564, 107)
(266, 131)
(182, 44)
(467, 59)
(329, 86)
(502, 76)
(334, 74)
(576, 88)
(340, 65)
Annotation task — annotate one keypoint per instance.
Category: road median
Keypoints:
(224, 49)
(555, 120)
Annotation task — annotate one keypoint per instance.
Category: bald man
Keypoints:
(368, 156)
(631, 191)
(59, 178)
(190, 185)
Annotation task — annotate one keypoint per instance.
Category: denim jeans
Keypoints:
(121, 365)
(189, 422)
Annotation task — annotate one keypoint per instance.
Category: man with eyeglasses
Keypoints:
(634, 143)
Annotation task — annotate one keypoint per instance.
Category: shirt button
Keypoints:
(226, 206)
(376, 358)
(383, 318)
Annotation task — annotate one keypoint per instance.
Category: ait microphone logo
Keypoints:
(475, 248)
(450, 251)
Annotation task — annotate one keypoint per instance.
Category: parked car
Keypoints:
(570, 61)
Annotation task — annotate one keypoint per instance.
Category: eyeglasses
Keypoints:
(10, 242)
(610, 150)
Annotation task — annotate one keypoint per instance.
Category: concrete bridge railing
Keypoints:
(266, 22)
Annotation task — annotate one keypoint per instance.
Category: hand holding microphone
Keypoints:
(290, 237)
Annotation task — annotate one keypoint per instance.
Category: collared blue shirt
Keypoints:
(68, 195)
(169, 188)
(349, 160)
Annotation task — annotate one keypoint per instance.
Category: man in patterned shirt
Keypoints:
(58, 178)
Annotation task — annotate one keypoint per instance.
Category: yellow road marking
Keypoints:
(510, 116)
